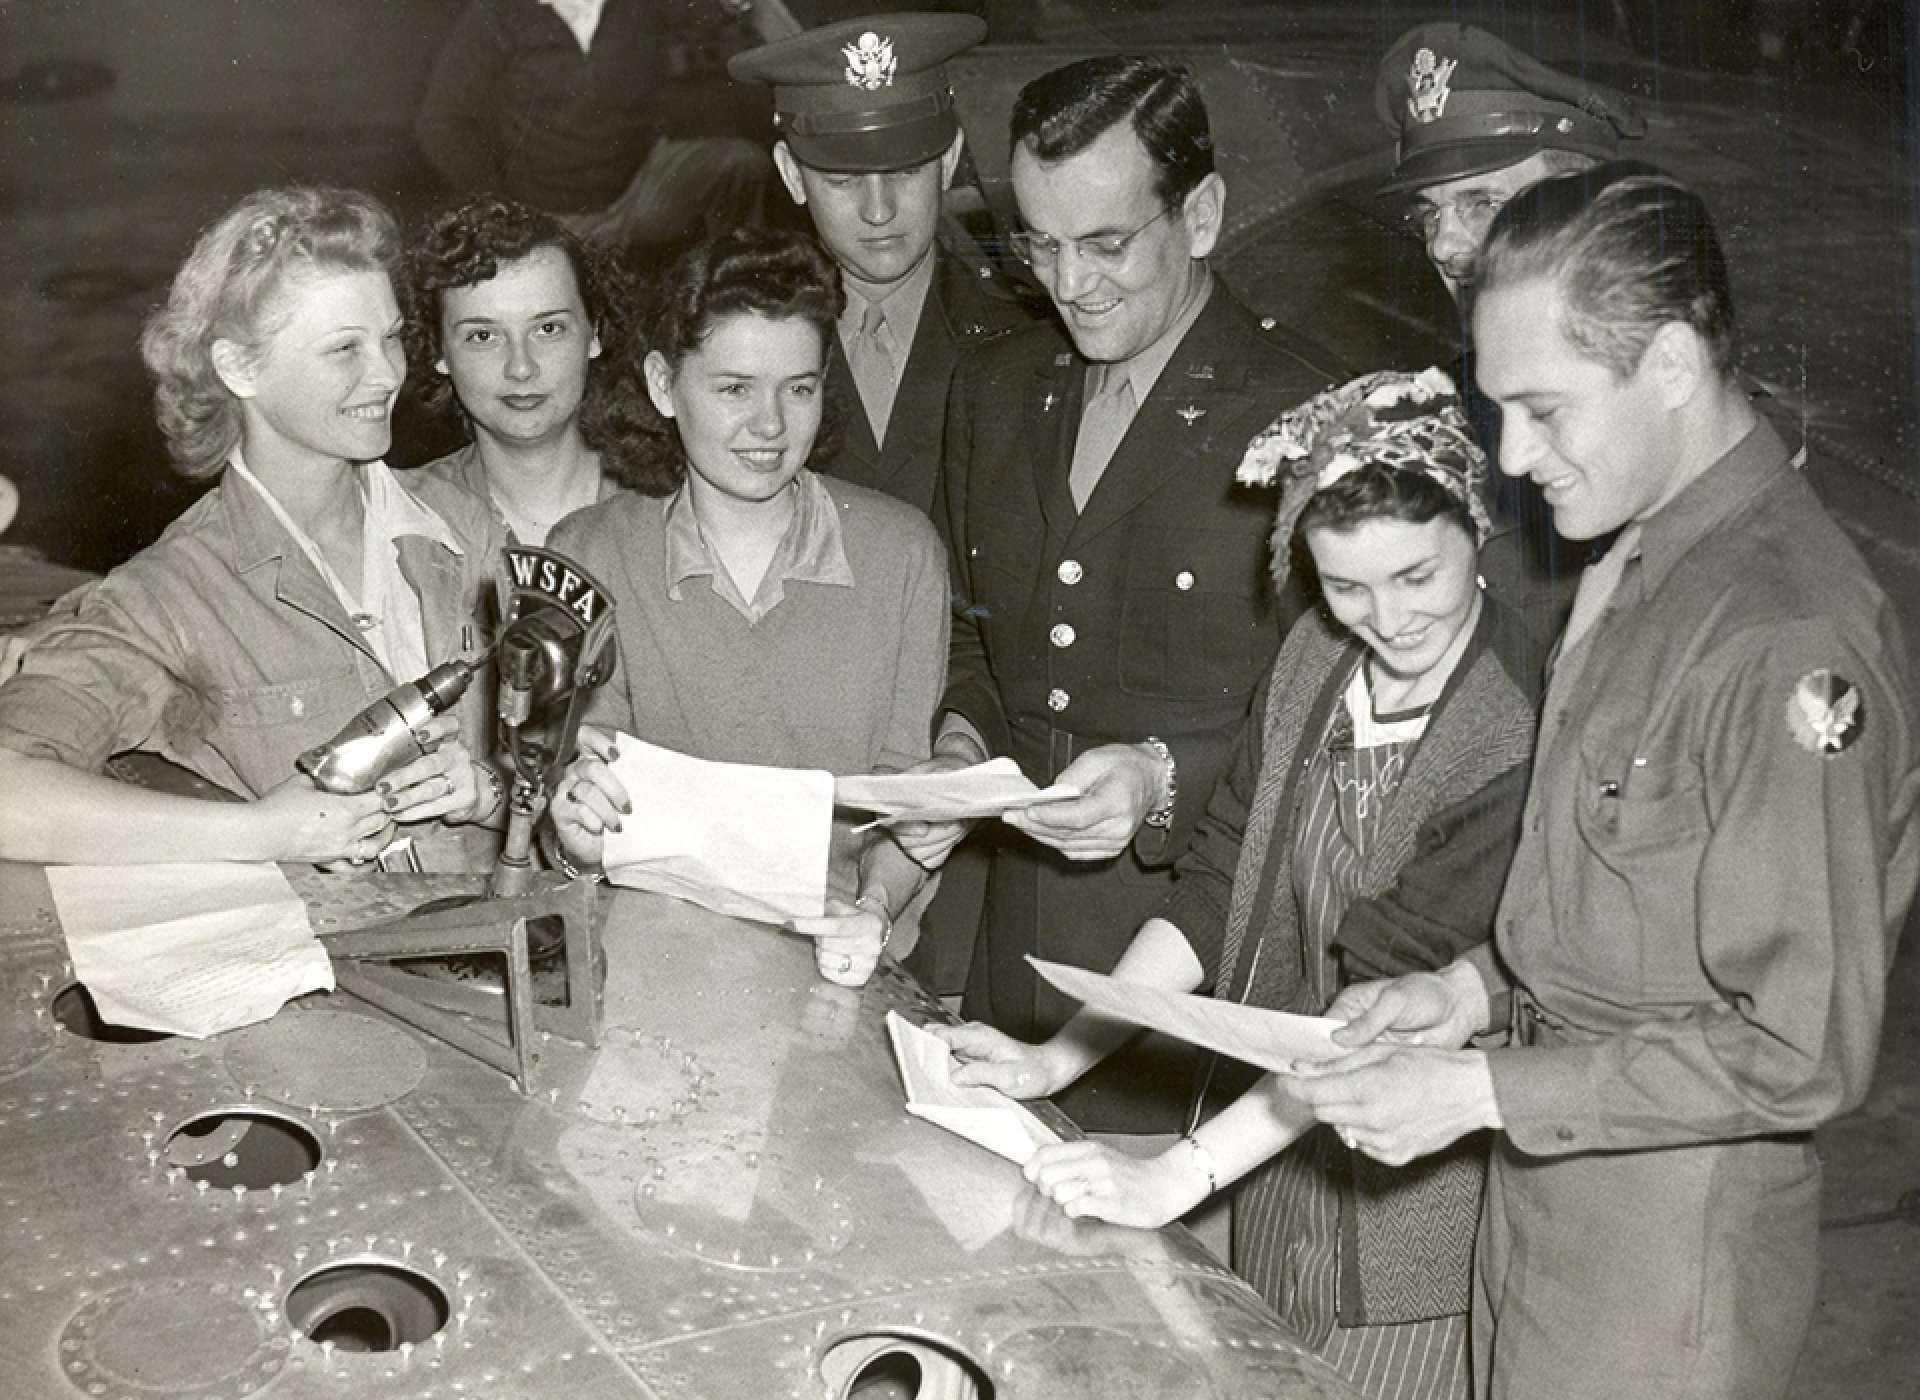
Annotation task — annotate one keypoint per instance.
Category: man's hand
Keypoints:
(1398, 1104)
(1119, 784)
(1444, 1008)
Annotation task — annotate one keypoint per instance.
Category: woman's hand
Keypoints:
(441, 783)
(1086, 1179)
(847, 941)
(995, 1059)
(322, 827)
(589, 801)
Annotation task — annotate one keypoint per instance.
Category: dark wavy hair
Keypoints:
(1061, 113)
(1375, 491)
(1631, 250)
(465, 244)
(230, 288)
(779, 274)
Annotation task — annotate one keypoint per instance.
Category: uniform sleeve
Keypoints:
(1805, 872)
(921, 671)
(103, 676)
(971, 691)
(455, 126)
(1203, 883)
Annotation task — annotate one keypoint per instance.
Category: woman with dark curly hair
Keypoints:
(767, 614)
(301, 588)
(528, 330)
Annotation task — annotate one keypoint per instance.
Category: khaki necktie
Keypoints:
(1597, 586)
(875, 363)
(1103, 422)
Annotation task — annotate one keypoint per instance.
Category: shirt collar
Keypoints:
(1713, 497)
(1143, 370)
(812, 550)
(259, 534)
(901, 302)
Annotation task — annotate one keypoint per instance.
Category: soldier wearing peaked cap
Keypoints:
(1475, 122)
(868, 142)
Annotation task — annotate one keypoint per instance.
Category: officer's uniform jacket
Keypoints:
(1152, 612)
(1718, 852)
(968, 305)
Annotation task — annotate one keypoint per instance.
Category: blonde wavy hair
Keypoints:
(229, 288)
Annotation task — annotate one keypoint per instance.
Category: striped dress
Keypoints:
(1286, 1216)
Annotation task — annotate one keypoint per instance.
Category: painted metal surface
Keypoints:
(705, 1205)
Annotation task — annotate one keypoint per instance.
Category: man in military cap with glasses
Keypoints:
(1115, 609)
(868, 143)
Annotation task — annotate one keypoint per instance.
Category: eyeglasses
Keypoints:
(1107, 250)
(1474, 210)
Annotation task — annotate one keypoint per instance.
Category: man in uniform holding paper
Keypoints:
(1718, 850)
(1114, 611)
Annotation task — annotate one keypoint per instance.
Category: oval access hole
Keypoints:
(249, 1148)
(367, 1306)
(884, 1366)
(73, 1008)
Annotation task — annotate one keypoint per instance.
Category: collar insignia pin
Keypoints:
(1046, 404)
(1199, 371)
(1191, 414)
(870, 62)
(1062, 360)
(1427, 90)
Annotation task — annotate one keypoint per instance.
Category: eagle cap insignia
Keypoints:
(870, 62)
(1427, 90)
(1825, 714)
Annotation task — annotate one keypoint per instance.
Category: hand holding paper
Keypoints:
(1272, 1040)
(981, 1115)
(743, 840)
(984, 790)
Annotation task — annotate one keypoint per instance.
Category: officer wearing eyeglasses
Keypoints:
(1114, 608)
(868, 144)
(1475, 122)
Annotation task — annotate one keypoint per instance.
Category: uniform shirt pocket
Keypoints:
(261, 729)
(1645, 827)
(1193, 617)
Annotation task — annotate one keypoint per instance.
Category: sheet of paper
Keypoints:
(188, 949)
(746, 841)
(984, 790)
(977, 1113)
(1270, 1039)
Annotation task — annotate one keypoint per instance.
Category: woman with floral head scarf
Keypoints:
(1365, 826)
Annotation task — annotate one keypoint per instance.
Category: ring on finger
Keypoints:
(1346, 1136)
(846, 962)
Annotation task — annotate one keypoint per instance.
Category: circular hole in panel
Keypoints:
(886, 1366)
(73, 1008)
(243, 1147)
(367, 1306)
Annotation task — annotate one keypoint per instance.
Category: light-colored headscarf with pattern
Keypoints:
(1407, 422)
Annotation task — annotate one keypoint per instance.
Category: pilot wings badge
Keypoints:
(1427, 90)
(1826, 715)
(870, 62)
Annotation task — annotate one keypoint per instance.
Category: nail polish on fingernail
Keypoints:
(626, 809)
(386, 789)
(613, 825)
(613, 755)
(389, 803)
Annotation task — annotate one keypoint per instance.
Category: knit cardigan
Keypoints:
(1430, 882)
